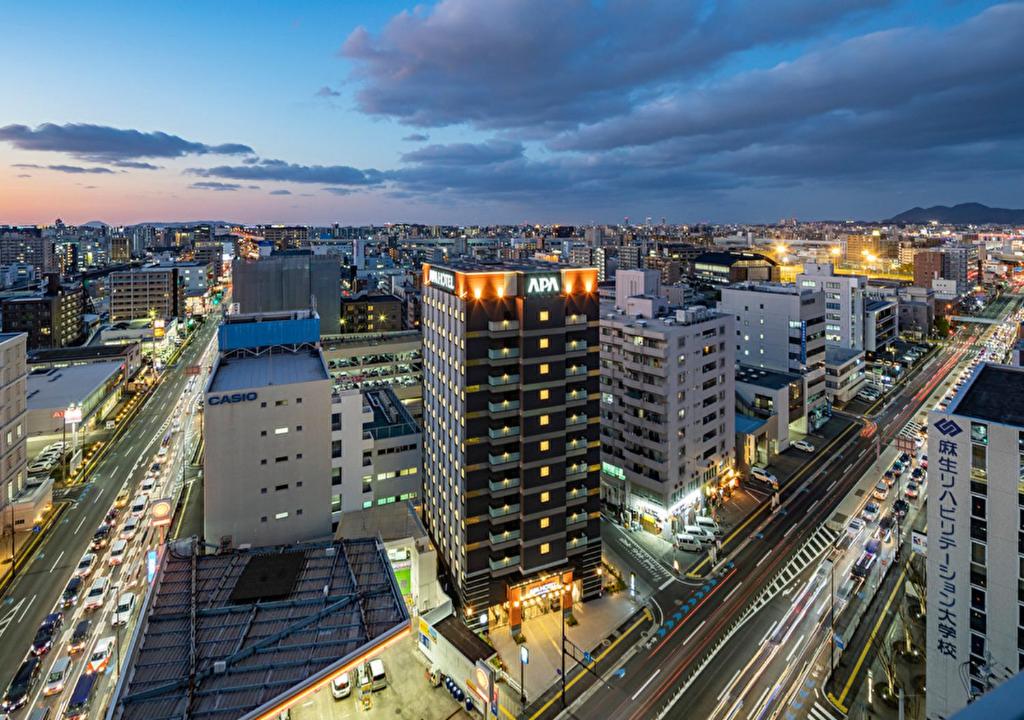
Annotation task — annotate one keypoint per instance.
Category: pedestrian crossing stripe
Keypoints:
(818, 712)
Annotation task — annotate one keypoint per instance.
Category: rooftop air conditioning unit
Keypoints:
(220, 667)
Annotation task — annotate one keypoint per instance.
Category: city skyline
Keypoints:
(460, 112)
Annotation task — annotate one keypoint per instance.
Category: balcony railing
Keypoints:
(502, 353)
(574, 395)
(503, 511)
(503, 458)
(506, 406)
(575, 319)
(503, 432)
(576, 370)
(580, 419)
(576, 542)
(577, 492)
(505, 562)
(505, 379)
(503, 537)
(576, 346)
(505, 484)
(576, 471)
(502, 325)
(578, 518)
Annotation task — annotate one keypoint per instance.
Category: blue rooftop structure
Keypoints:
(257, 330)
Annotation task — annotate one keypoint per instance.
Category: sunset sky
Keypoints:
(467, 111)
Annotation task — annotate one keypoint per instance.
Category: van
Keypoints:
(705, 522)
(139, 505)
(378, 677)
(688, 543)
(701, 533)
(57, 676)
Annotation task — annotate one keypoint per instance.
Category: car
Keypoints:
(123, 496)
(57, 677)
(341, 687)
(898, 467)
(881, 491)
(131, 526)
(100, 656)
(378, 677)
(804, 445)
(147, 484)
(912, 491)
(870, 512)
(884, 531)
(43, 640)
(855, 526)
(901, 507)
(155, 467)
(79, 636)
(924, 462)
(85, 565)
(764, 476)
(139, 505)
(70, 596)
(889, 477)
(904, 458)
(117, 552)
(97, 594)
(20, 689)
(917, 475)
(123, 610)
(111, 517)
(162, 451)
(100, 537)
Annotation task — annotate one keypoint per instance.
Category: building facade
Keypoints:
(145, 293)
(844, 303)
(13, 414)
(975, 632)
(371, 312)
(667, 414)
(782, 327)
(290, 281)
(27, 245)
(512, 451)
(51, 319)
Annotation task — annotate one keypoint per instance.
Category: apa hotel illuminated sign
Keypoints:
(540, 284)
(442, 279)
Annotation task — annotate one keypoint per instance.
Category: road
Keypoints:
(698, 615)
(38, 588)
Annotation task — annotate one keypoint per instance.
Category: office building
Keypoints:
(371, 312)
(667, 412)
(268, 432)
(210, 253)
(724, 268)
(844, 373)
(881, 325)
(51, 318)
(396, 455)
(961, 263)
(13, 431)
(782, 328)
(149, 292)
(120, 248)
(29, 246)
(512, 451)
(286, 236)
(844, 303)
(975, 518)
(294, 280)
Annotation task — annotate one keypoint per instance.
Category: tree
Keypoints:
(887, 661)
(918, 579)
(941, 326)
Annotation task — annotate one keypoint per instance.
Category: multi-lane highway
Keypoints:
(152, 449)
(696, 615)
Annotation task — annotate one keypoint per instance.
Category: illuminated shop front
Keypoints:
(559, 591)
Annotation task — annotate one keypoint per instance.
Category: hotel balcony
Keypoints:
(575, 320)
(576, 472)
(500, 462)
(502, 325)
(576, 370)
(576, 544)
(503, 353)
(503, 407)
(501, 538)
(503, 511)
(577, 519)
(503, 563)
(576, 495)
(577, 419)
(499, 380)
(576, 346)
(503, 432)
(500, 486)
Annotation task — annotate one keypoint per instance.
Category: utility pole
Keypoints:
(832, 618)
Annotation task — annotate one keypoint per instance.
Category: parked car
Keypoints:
(341, 687)
(764, 476)
(43, 640)
(804, 445)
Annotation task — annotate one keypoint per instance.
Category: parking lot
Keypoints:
(408, 693)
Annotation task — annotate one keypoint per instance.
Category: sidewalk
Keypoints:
(25, 544)
(598, 619)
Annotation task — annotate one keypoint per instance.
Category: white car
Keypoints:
(85, 565)
(764, 476)
(117, 552)
(97, 594)
(804, 445)
(131, 526)
(148, 484)
(124, 609)
(101, 654)
(341, 686)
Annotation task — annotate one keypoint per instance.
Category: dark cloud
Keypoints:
(216, 186)
(339, 191)
(485, 153)
(106, 144)
(280, 192)
(24, 175)
(133, 165)
(531, 64)
(326, 92)
(416, 137)
(288, 172)
(69, 169)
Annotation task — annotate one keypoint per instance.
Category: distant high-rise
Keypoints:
(286, 236)
(146, 292)
(291, 280)
(27, 245)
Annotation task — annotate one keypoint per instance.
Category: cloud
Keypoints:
(280, 192)
(70, 169)
(326, 92)
(100, 143)
(135, 165)
(416, 137)
(213, 185)
(534, 64)
(24, 175)
(485, 153)
(280, 170)
(339, 191)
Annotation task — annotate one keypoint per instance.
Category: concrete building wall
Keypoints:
(13, 410)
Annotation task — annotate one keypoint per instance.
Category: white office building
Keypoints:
(668, 412)
(975, 603)
(782, 328)
(844, 303)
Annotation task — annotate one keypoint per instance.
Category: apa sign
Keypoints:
(232, 398)
(537, 284)
(441, 278)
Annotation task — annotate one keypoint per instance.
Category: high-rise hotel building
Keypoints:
(511, 446)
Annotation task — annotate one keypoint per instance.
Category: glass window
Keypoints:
(545, 394)
(545, 470)
(545, 548)
(545, 496)
(545, 445)
(545, 522)
(544, 419)
(544, 368)
(543, 315)
(979, 433)
(543, 343)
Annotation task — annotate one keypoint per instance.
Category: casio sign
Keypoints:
(542, 284)
(441, 279)
(232, 398)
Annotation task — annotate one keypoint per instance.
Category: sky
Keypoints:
(506, 111)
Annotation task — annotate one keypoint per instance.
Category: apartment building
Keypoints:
(13, 412)
(146, 293)
(975, 632)
(512, 450)
(51, 318)
(667, 412)
(782, 328)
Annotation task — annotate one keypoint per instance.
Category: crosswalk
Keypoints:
(817, 711)
(816, 544)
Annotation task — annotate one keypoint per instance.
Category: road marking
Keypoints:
(690, 637)
(726, 598)
(666, 583)
(768, 634)
(57, 561)
(644, 686)
(758, 703)
(80, 524)
(98, 496)
(10, 616)
(791, 529)
(729, 684)
(796, 646)
(848, 468)
(25, 611)
(831, 486)
(764, 557)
